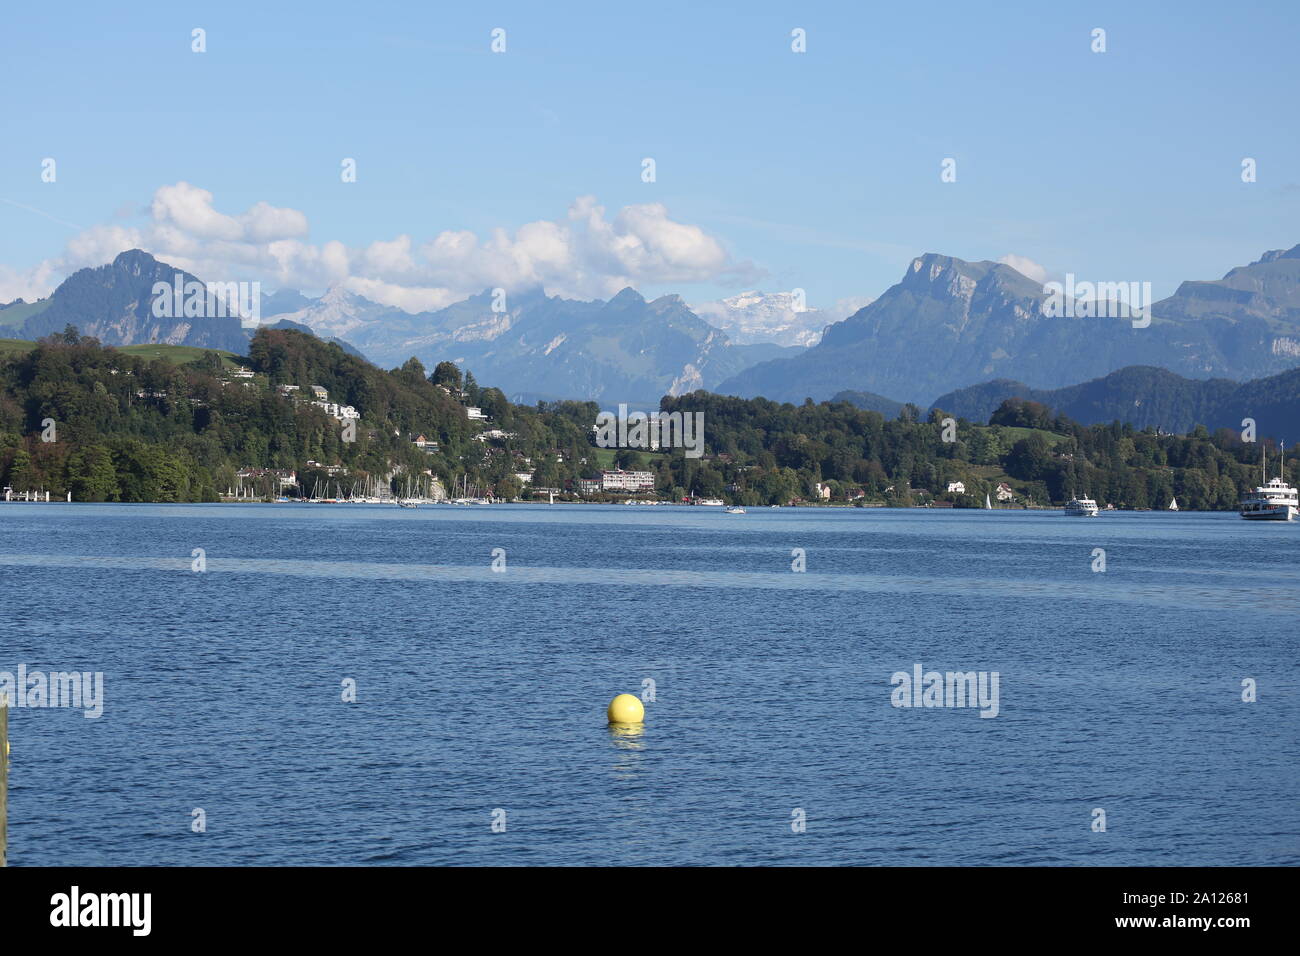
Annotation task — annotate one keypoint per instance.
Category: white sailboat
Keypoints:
(988, 505)
(1173, 504)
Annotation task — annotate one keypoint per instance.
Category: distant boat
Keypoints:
(1173, 504)
(1081, 508)
(737, 510)
(988, 505)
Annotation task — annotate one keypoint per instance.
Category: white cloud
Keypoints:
(265, 222)
(29, 285)
(845, 307)
(643, 244)
(392, 258)
(190, 209)
(409, 298)
(584, 255)
(94, 247)
(1025, 266)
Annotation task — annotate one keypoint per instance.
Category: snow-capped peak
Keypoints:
(752, 317)
(337, 312)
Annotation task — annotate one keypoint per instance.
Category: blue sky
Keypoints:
(774, 170)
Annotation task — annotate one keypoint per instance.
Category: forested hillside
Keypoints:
(125, 427)
(1149, 397)
(131, 429)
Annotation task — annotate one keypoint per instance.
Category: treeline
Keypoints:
(108, 426)
(762, 452)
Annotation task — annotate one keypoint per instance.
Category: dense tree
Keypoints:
(1029, 459)
(92, 474)
(446, 374)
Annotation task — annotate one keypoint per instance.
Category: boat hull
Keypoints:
(1280, 513)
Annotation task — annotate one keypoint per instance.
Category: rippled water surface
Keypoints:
(480, 690)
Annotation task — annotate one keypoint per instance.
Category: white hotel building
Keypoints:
(627, 481)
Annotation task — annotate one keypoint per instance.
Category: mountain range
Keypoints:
(949, 323)
(626, 349)
(945, 327)
(547, 347)
(1147, 397)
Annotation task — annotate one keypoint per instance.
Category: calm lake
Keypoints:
(480, 695)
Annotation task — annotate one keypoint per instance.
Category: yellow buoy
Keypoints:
(626, 709)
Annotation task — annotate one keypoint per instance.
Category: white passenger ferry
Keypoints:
(1081, 508)
(1274, 500)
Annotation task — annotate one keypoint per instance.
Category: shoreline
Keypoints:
(644, 503)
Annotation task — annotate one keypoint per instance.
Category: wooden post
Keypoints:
(4, 774)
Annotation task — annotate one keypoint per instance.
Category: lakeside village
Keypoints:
(601, 486)
(424, 487)
(283, 485)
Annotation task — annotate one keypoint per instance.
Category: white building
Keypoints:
(1004, 492)
(525, 477)
(475, 414)
(341, 412)
(957, 486)
(627, 481)
(286, 479)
